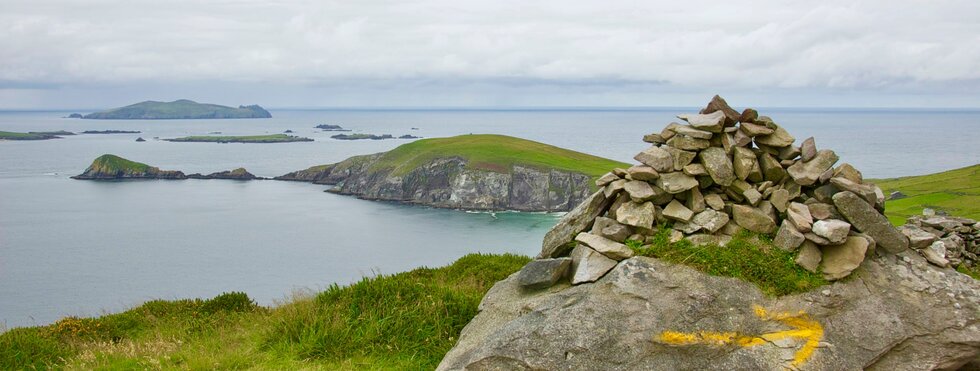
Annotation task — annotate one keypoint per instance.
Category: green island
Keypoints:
(33, 135)
(112, 167)
(271, 138)
(178, 109)
(956, 192)
(491, 152)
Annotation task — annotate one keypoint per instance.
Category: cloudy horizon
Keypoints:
(438, 53)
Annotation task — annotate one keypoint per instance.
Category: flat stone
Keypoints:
(692, 132)
(799, 215)
(588, 265)
(657, 158)
(695, 170)
(642, 172)
(712, 122)
(686, 228)
(754, 130)
(779, 138)
(820, 211)
(543, 273)
(676, 182)
(866, 219)
(637, 214)
(681, 157)
(813, 237)
(746, 165)
(780, 199)
(611, 249)
(718, 104)
(807, 172)
(833, 230)
(639, 190)
(848, 172)
(614, 187)
(606, 179)
(809, 256)
(839, 261)
(654, 138)
(866, 192)
(788, 238)
(676, 211)
(668, 131)
(718, 165)
(714, 201)
(685, 142)
(918, 238)
(808, 149)
(611, 229)
(753, 219)
(560, 238)
(710, 220)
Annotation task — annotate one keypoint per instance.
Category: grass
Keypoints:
(10, 135)
(956, 192)
(179, 109)
(111, 164)
(402, 321)
(271, 138)
(751, 258)
(493, 153)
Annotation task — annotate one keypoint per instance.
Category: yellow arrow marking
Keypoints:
(803, 326)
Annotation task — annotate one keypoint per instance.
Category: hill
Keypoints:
(112, 167)
(179, 109)
(956, 192)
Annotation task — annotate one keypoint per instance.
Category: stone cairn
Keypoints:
(944, 240)
(718, 173)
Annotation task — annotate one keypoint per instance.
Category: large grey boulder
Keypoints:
(899, 313)
(543, 273)
(866, 219)
(560, 238)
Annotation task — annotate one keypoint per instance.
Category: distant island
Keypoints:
(110, 132)
(327, 127)
(179, 109)
(272, 138)
(33, 135)
(112, 167)
(370, 136)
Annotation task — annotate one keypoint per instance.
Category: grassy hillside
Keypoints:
(493, 153)
(111, 164)
(402, 321)
(272, 138)
(179, 109)
(956, 192)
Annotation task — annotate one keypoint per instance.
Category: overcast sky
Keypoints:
(283, 53)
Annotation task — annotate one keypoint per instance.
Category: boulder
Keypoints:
(833, 230)
(866, 219)
(754, 130)
(637, 214)
(753, 219)
(748, 115)
(718, 165)
(820, 211)
(848, 172)
(611, 249)
(839, 260)
(806, 173)
(771, 169)
(780, 200)
(588, 265)
(543, 273)
(612, 188)
(692, 132)
(865, 191)
(657, 158)
(654, 138)
(559, 239)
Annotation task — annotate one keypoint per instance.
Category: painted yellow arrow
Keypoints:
(803, 327)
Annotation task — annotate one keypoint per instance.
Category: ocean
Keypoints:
(83, 248)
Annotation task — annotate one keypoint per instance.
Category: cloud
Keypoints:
(876, 46)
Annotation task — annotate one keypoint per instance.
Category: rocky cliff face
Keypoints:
(448, 183)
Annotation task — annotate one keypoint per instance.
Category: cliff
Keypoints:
(179, 109)
(112, 167)
(477, 172)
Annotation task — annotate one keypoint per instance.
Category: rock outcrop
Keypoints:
(237, 174)
(112, 167)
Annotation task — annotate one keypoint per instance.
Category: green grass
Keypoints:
(111, 164)
(402, 321)
(9, 135)
(493, 153)
(179, 109)
(271, 138)
(956, 192)
(748, 257)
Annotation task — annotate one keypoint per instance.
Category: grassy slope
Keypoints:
(175, 109)
(242, 139)
(111, 164)
(494, 153)
(955, 191)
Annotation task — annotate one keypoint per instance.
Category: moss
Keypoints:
(972, 272)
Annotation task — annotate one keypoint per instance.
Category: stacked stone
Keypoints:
(943, 240)
(710, 177)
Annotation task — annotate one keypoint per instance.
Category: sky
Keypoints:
(58, 54)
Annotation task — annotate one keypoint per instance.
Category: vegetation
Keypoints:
(9, 135)
(493, 153)
(956, 192)
(179, 109)
(748, 257)
(271, 138)
(402, 321)
(112, 164)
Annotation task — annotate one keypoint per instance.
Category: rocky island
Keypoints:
(237, 174)
(329, 127)
(33, 135)
(179, 109)
(111, 132)
(478, 172)
(272, 138)
(112, 167)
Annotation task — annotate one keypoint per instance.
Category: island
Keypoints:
(237, 174)
(74, 116)
(110, 132)
(179, 109)
(474, 172)
(112, 167)
(33, 135)
(327, 127)
(272, 138)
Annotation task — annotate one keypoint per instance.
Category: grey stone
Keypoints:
(753, 130)
(710, 220)
(752, 196)
(934, 257)
(753, 219)
(820, 211)
(807, 173)
(559, 239)
(712, 122)
(918, 238)
(833, 230)
(639, 190)
(614, 187)
(718, 165)
(780, 200)
(668, 131)
(606, 179)
(676, 211)
(819, 240)
(848, 172)
(687, 143)
(681, 157)
(643, 172)
(770, 167)
(866, 219)
(714, 201)
(788, 238)
(611, 249)
(589, 265)
(695, 170)
(637, 214)
(746, 165)
(799, 215)
(896, 195)
(657, 158)
(840, 260)
(779, 138)
(718, 104)
(825, 193)
(695, 200)
(543, 273)
(692, 132)
(866, 192)
(809, 256)
(788, 153)
(686, 228)
(654, 138)
(676, 182)
(740, 139)
(611, 229)
(808, 149)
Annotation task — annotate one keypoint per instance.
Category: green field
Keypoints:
(493, 153)
(271, 138)
(956, 191)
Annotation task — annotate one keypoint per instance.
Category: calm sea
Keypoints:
(72, 247)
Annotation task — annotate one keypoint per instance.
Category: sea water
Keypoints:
(70, 247)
